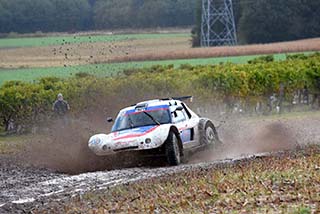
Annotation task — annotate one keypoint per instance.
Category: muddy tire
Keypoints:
(172, 149)
(208, 134)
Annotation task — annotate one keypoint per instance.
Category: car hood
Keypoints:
(134, 132)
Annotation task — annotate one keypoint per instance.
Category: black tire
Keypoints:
(172, 149)
(208, 134)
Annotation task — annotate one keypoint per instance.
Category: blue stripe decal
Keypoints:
(185, 135)
(151, 108)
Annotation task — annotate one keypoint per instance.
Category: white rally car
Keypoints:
(166, 127)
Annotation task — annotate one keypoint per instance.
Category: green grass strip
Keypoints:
(61, 40)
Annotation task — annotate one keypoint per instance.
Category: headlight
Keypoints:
(94, 141)
(148, 140)
(104, 147)
(97, 140)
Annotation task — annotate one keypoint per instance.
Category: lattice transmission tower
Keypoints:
(218, 25)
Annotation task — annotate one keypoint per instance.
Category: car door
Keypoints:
(182, 122)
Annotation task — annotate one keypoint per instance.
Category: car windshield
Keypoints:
(142, 118)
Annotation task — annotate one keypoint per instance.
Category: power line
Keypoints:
(217, 24)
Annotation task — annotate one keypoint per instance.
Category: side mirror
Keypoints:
(109, 119)
(179, 108)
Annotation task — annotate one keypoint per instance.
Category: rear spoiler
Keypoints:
(190, 98)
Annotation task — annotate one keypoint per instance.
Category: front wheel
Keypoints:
(172, 149)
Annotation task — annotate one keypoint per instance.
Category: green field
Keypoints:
(102, 70)
(61, 40)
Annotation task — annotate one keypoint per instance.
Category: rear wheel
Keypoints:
(209, 135)
(172, 149)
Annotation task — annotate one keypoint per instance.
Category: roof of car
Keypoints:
(152, 104)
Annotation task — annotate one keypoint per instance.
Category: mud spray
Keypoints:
(64, 147)
(243, 138)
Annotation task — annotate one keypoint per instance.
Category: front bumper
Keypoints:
(104, 145)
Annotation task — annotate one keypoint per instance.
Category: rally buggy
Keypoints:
(164, 126)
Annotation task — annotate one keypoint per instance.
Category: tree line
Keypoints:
(274, 20)
(27, 16)
(259, 21)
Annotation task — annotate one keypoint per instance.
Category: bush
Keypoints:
(83, 75)
(296, 56)
(13, 35)
(30, 103)
(262, 59)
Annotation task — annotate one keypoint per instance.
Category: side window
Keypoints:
(187, 111)
(179, 116)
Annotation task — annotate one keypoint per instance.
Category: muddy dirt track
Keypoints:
(27, 183)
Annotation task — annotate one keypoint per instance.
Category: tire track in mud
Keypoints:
(22, 187)
(44, 187)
